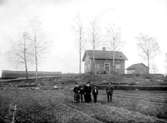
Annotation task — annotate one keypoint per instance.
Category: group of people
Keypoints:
(84, 93)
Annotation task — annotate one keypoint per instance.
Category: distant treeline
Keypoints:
(8, 74)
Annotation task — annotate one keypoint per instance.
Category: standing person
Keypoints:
(95, 93)
(76, 93)
(82, 93)
(87, 93)
(109, 92)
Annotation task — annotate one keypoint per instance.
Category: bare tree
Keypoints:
(25, 54)
(149, 48)
(94, 40)
(114, 42)
(93, 44)
(36, 56)
(80, 37)
(38, 43)
(21, 52)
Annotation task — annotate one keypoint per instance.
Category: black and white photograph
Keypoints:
(83, 61)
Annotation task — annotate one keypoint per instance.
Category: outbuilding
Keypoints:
(138, 68)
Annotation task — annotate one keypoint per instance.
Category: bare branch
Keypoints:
(80, 39)
(149, 47)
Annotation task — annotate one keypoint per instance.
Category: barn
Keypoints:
(104, 62)
(138, 68)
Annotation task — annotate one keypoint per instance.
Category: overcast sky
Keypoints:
(58, 17)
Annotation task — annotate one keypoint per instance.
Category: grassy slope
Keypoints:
(148, 103)
(107, 111)
(46, 105)
(40, 106)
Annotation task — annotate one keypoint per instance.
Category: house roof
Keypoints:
(100, 54)
(135, 66)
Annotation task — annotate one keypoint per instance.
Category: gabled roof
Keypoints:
(135, 66)
(101, 54)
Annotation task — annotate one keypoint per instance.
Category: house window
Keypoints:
(107, 67)
(97, 67)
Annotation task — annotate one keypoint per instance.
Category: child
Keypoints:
(76, 91)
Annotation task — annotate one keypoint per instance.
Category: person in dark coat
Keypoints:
(95, 93)
(81, 87)
(109, 92)
(76, 91)
(87, 93)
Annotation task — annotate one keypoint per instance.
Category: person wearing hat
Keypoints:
(95, 93)
(109, 92)
(81, 88)
(87, 93)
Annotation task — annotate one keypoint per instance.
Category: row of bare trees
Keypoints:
(110, 41)
(28, 50)
(147, 45)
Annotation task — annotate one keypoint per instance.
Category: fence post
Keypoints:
(14, 113)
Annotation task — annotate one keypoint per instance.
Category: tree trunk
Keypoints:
(80, 40)
(93, 62)
(36, 59)
(113, 61)
(148, 58)
(114, 53)
(25, 58)
(93, 39)
(148, 61)
(26, 69)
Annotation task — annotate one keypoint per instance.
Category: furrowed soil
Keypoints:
(40, 106)
(57, 106)
(127, 106)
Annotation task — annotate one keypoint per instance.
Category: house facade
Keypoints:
(104, 62)
(139, 68)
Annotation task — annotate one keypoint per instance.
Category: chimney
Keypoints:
(104, 49)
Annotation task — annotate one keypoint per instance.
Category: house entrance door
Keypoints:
(107, 68)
